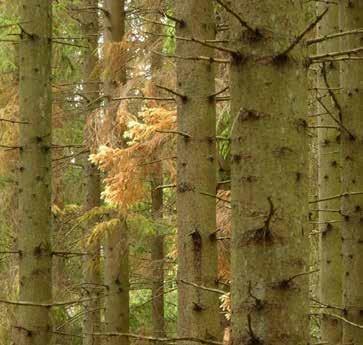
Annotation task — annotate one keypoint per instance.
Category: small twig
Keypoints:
(183, 97)
(331, 93)
(165, 99)
(220, 292)
(143, 337)
(165, 186)
(176, 20)
(14, 121)
(335, 197)
(334, 316)
(213, 96)
(335, 35)
(302, 35)
(183, 134)
(335, 119)
(327, 305)
(209, 59)
(49, 305)
(215, 196)
(237, 16)
(333, 54)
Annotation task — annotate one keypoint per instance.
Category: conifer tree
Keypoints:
(116, 241)
(92, 269)
(351, 18)
(35, 219)
(269, 172)
(330, 245)
(196, 172)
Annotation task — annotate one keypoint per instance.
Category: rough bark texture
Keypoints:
(196, 174)
(330, 244)
(157, 245)
(117, 282)
(352, 174)
(91, 270)
(157, 255)
(116, 241)
(269, 172)
(35, 218)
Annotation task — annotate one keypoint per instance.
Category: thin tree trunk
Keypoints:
(352, 180)
(92, 271)
(157, 245)
(330, 244)
(269, 172)
(157, 254)
(117, 280)
(198, 313)
(116, 241)
(35, 218)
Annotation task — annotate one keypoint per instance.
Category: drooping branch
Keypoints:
(340, 124)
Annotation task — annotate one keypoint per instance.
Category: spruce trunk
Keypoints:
(35, 218)
(198, 314)
(330, 244)
(91, 270)
(116, 241)
(269, 172)
(352, 174)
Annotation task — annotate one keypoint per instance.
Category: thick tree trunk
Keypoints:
(198, 313)
(330, 244)
(91, 270)
(35, 218)
(269, 172)
(352, 178)
(116, 241)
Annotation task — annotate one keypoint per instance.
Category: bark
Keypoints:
(91, 265)
(198, 314)
(330, 244)
(157, 245)
(269, 173)
(157, 255)
(117, 282)
(352, 180)
(35, 218)
(116, 241)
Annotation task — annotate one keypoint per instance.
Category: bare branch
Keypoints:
(237, 16)
(335, 35)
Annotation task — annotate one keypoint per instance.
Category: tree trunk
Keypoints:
(35, 218)
(91, 270)
(116, 241)
(157, 254)
(330, 244)
(269, 172)
(352, 179)
(117, 282)
(157, 245)
(198, 313)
